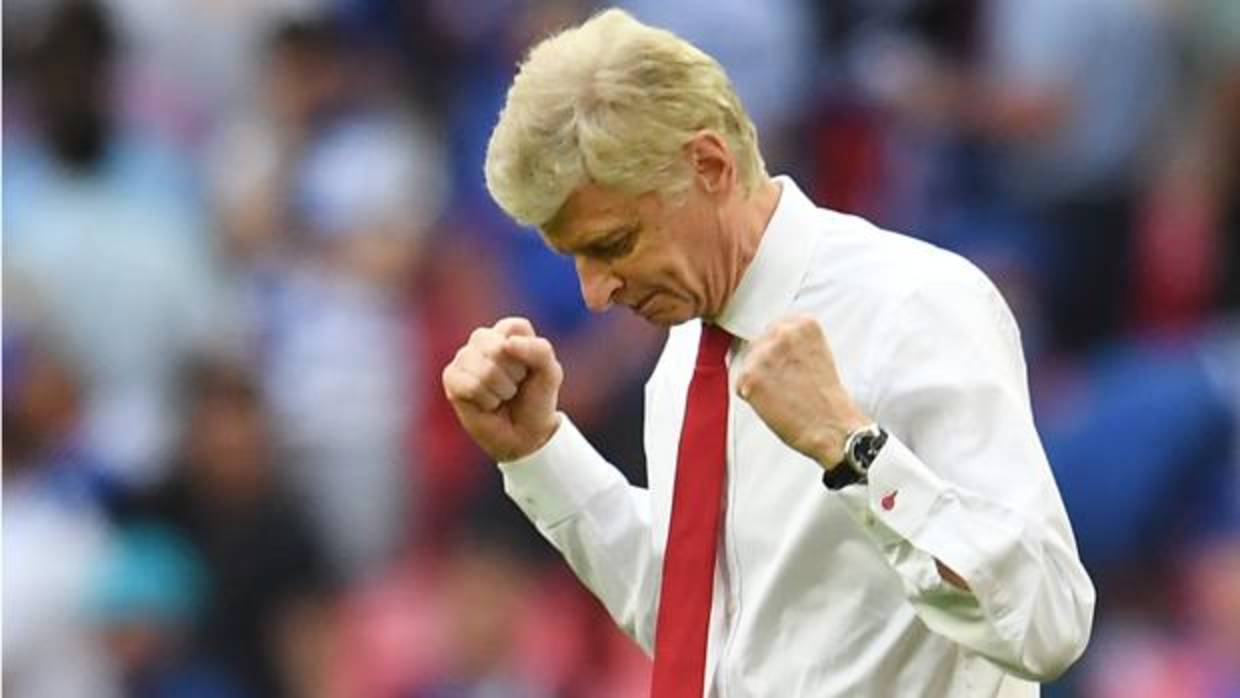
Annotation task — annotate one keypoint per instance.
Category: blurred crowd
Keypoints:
(241, 238)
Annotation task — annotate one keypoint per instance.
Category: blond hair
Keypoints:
(612, 101)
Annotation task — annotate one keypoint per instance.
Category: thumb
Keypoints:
(536, 354)
(515, 327)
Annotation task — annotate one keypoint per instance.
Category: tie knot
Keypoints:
(713, 349)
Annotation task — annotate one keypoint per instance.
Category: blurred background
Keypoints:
(242, 237)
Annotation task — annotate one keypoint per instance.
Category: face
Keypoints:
(645, 252)
(228, 449)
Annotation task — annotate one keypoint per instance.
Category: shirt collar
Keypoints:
(770, 283)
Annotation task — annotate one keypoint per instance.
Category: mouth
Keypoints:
(642, 306)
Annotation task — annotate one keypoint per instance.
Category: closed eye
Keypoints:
(613, 248)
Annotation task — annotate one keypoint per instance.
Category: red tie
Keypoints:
(689, 562)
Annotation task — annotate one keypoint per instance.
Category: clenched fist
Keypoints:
(504, 385)
(789, 379)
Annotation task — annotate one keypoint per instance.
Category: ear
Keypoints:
(712, 163)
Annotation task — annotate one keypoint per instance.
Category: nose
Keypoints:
(598, 283)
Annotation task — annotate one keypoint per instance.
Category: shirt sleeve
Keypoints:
(598, 521)
(964, 479)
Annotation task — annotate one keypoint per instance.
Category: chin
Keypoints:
(667, 317)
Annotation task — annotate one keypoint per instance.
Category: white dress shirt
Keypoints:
(820, 593)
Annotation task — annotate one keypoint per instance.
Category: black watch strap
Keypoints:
(840, 476)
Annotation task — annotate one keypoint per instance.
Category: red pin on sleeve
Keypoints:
(889, 500)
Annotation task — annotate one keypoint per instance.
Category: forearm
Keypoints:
(599, 523)
(1026, 602)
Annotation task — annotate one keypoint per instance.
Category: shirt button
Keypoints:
(729, 607)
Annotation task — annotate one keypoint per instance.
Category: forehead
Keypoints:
(589, 213)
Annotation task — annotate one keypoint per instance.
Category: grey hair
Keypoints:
(611, 101)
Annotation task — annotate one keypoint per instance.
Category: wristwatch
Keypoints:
(861, 447)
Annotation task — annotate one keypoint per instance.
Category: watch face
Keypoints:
(861, 450)
(865, 449)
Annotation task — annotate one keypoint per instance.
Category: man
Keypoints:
(937, 560)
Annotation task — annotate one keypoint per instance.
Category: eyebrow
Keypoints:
(598, 241)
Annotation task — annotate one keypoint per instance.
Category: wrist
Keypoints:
(861, 449)
(831, 454)
(552, 428)
(525, 447)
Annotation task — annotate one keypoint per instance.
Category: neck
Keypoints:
(747, 221)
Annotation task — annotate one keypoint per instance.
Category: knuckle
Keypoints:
(490, 347)
(747, 385)
(754, 379)
(456, 389)
(468, 356)
(495, 373)
(507, 390)
(809, 325)
(468, 384)
(515, 369)
(797, 323)
(514, 325)
(494, 376)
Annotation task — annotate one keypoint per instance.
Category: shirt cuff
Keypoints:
(903, 492)
(556, 481)
(906, 499)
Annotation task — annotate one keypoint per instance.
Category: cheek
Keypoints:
(664, 266)
(655, 275)
(676, 284)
